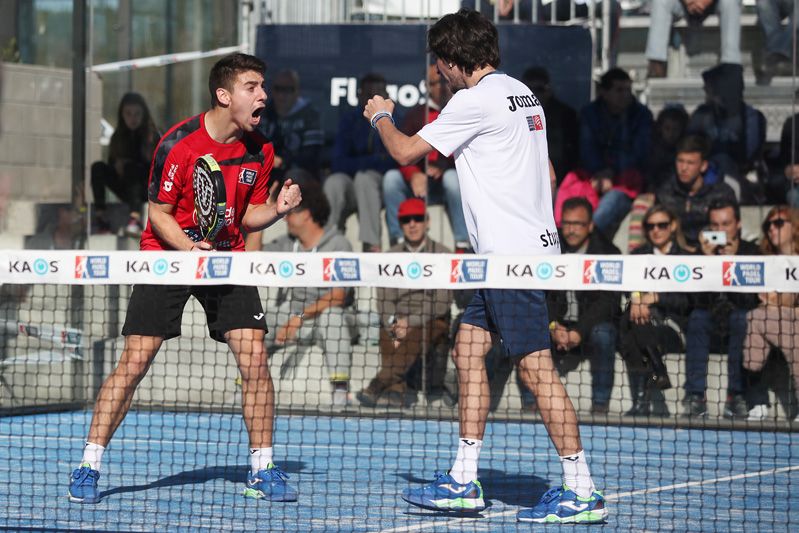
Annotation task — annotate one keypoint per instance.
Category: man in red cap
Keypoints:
(413, 320)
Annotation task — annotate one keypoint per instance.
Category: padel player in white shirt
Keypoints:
(495, 128)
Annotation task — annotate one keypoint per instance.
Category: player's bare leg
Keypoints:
(257, 390)
(113, 403)
(474, 397)
(459, 489)
(116, 394)
(557, 412)
(265, 480)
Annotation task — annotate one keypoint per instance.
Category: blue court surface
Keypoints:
(185, 471)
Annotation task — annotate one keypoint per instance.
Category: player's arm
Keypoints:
(252, 242)
(261, 216)
(402, 148)
(168, 229)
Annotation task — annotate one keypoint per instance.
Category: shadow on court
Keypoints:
(523, 490)
(233, 473)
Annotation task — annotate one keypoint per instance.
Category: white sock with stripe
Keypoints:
(576, 474)
(260, 459)
(93, 455)
(464, 469)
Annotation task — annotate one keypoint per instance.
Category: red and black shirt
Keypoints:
(246, 165)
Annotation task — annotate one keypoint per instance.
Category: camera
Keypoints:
(716, 238)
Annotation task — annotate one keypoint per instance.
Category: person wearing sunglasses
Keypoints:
(414, 320)
(653, 322)
(774, 322)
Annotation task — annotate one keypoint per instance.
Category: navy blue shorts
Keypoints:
(518, 317)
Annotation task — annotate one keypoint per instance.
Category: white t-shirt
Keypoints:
(497, 133)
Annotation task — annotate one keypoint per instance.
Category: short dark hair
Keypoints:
(578, 202)
(467, 39)
(724, 203)
(694, 143)
(223, 73)
(613, 75)
(315, 201)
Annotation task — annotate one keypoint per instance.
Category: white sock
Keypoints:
(93, 454)
(576, 475)
(464, 469)
(260, 458)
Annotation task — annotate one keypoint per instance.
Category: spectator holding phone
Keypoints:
(719, 316)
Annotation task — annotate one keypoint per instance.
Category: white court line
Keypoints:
(611, 497)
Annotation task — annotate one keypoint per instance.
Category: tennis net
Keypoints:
(365, 408)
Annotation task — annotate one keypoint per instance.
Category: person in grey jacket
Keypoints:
(414, 321)
(317, 315)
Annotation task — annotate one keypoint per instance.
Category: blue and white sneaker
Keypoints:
(446, 494)
(83, 485)
(562, 506)
(270, 484)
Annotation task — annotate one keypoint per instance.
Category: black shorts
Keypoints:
(157, 310)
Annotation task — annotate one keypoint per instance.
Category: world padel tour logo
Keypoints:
(742, 274)
(599, 271)
(468, 270)
(91, 266)
(341, 269)
(213, 267)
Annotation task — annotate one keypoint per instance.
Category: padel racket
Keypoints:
(210, 199)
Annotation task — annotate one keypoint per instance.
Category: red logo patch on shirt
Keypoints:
(247, 176)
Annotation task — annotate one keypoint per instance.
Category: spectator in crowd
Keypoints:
(663, 12)
(61, 232)
(653, 322)
(359, 162)
(415, 321)
(434, 177)
(615, 136)
(669, 128)
(292, 123)
(318, 315)
(563, 127)
(693, 187)
(788, 162)
(778, 60)
(129, 157)
(736, 130)
(774, 322)
(722, 315)
(583, 323)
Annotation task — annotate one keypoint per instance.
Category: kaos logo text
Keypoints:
(341, 269)
(412, 270)
(468, 270)
(213, 267)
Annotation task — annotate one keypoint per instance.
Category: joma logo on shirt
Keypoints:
(525, 100)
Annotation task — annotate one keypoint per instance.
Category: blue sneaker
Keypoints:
(83, 485)
(446, 494)
(562, 506)
(270, 484)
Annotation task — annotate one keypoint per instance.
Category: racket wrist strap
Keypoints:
(377, 116)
